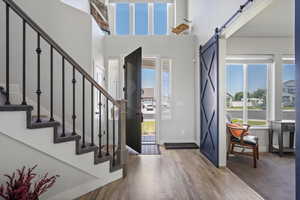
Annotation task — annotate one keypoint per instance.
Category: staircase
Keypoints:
(90, 138)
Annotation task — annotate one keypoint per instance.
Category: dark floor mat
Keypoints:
(150, 149)
(181, 146)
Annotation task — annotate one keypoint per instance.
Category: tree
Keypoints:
(259, 93)
(238, 96)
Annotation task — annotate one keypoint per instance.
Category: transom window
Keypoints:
(142, 18)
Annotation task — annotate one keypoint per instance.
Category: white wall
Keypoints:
(181, 128)
(74, 30)
(207, 15)
(72, 182)
(278, 47)
(83, 5)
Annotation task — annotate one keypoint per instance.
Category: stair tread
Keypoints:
(16, 107)
(44, 123)
(88, 148)
(67, 138)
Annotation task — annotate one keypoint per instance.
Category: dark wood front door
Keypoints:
(209, 70)
(133, 88)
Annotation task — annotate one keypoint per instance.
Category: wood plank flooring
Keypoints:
(175, 175)
(274, 177)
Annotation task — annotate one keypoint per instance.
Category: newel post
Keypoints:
(122, 136)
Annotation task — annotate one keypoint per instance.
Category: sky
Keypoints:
(257, 77)
(141, 19)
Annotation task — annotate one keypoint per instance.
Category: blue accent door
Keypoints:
(209, 99)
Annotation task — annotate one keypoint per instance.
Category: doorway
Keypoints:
(149, 101)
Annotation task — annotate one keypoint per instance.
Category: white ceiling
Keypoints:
(277, 20)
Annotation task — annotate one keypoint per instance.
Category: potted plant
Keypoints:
(24, 185)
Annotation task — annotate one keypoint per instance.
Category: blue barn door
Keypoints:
(209, 99)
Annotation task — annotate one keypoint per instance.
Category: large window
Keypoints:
(288, 90)
(122, 19)
(141, 18)
(247, 93)
(160, 18)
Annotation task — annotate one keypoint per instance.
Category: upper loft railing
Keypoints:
(108, 99)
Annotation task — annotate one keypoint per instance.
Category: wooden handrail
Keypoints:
(57, 47)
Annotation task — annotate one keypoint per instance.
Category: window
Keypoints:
(235, 92)
(246, 98)
(113, 78)
(288, 90)
(257, 94)
(160, 18)
(166, 89)
(141, 18)
(122, 19)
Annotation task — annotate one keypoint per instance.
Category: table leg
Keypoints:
(292, 140)
(271, 141)
(280, 143)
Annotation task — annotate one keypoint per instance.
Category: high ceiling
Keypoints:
(277, 20)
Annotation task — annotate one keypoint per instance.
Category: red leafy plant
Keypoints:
(20, 185)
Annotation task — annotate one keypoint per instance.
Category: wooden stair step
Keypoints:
(87, 149)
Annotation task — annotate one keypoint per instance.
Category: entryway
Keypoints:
(149, 106)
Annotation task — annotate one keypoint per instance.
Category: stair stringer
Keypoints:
(14, 125)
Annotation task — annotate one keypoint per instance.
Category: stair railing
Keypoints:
(111, 149)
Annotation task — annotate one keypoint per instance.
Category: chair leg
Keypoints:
(228, 150)
(232, 148)
(257, 152)
(254, 157)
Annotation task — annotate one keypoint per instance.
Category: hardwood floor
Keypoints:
(174, 175)
(274, 177)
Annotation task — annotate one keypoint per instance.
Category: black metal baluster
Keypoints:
(63, 99)
(92, 115)
(38, 91)
(24, 63)
(7, 102)
(114, 136)
(107, 128)
(83, 112)
(51, 84)
(74, 105)
(100, 127)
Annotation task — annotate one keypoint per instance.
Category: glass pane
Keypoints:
(160, 18)
(113, 78)
(257, 94)
(288, 92)
(235, 94)
(122, 19)
(141, 18)
(166, 89)
(148, 104)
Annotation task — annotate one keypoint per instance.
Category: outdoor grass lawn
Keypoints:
(148, 127)
(251, 122)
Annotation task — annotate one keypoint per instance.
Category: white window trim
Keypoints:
(245, 87)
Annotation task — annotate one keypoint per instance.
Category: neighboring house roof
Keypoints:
(148, 93)
(290, 83)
